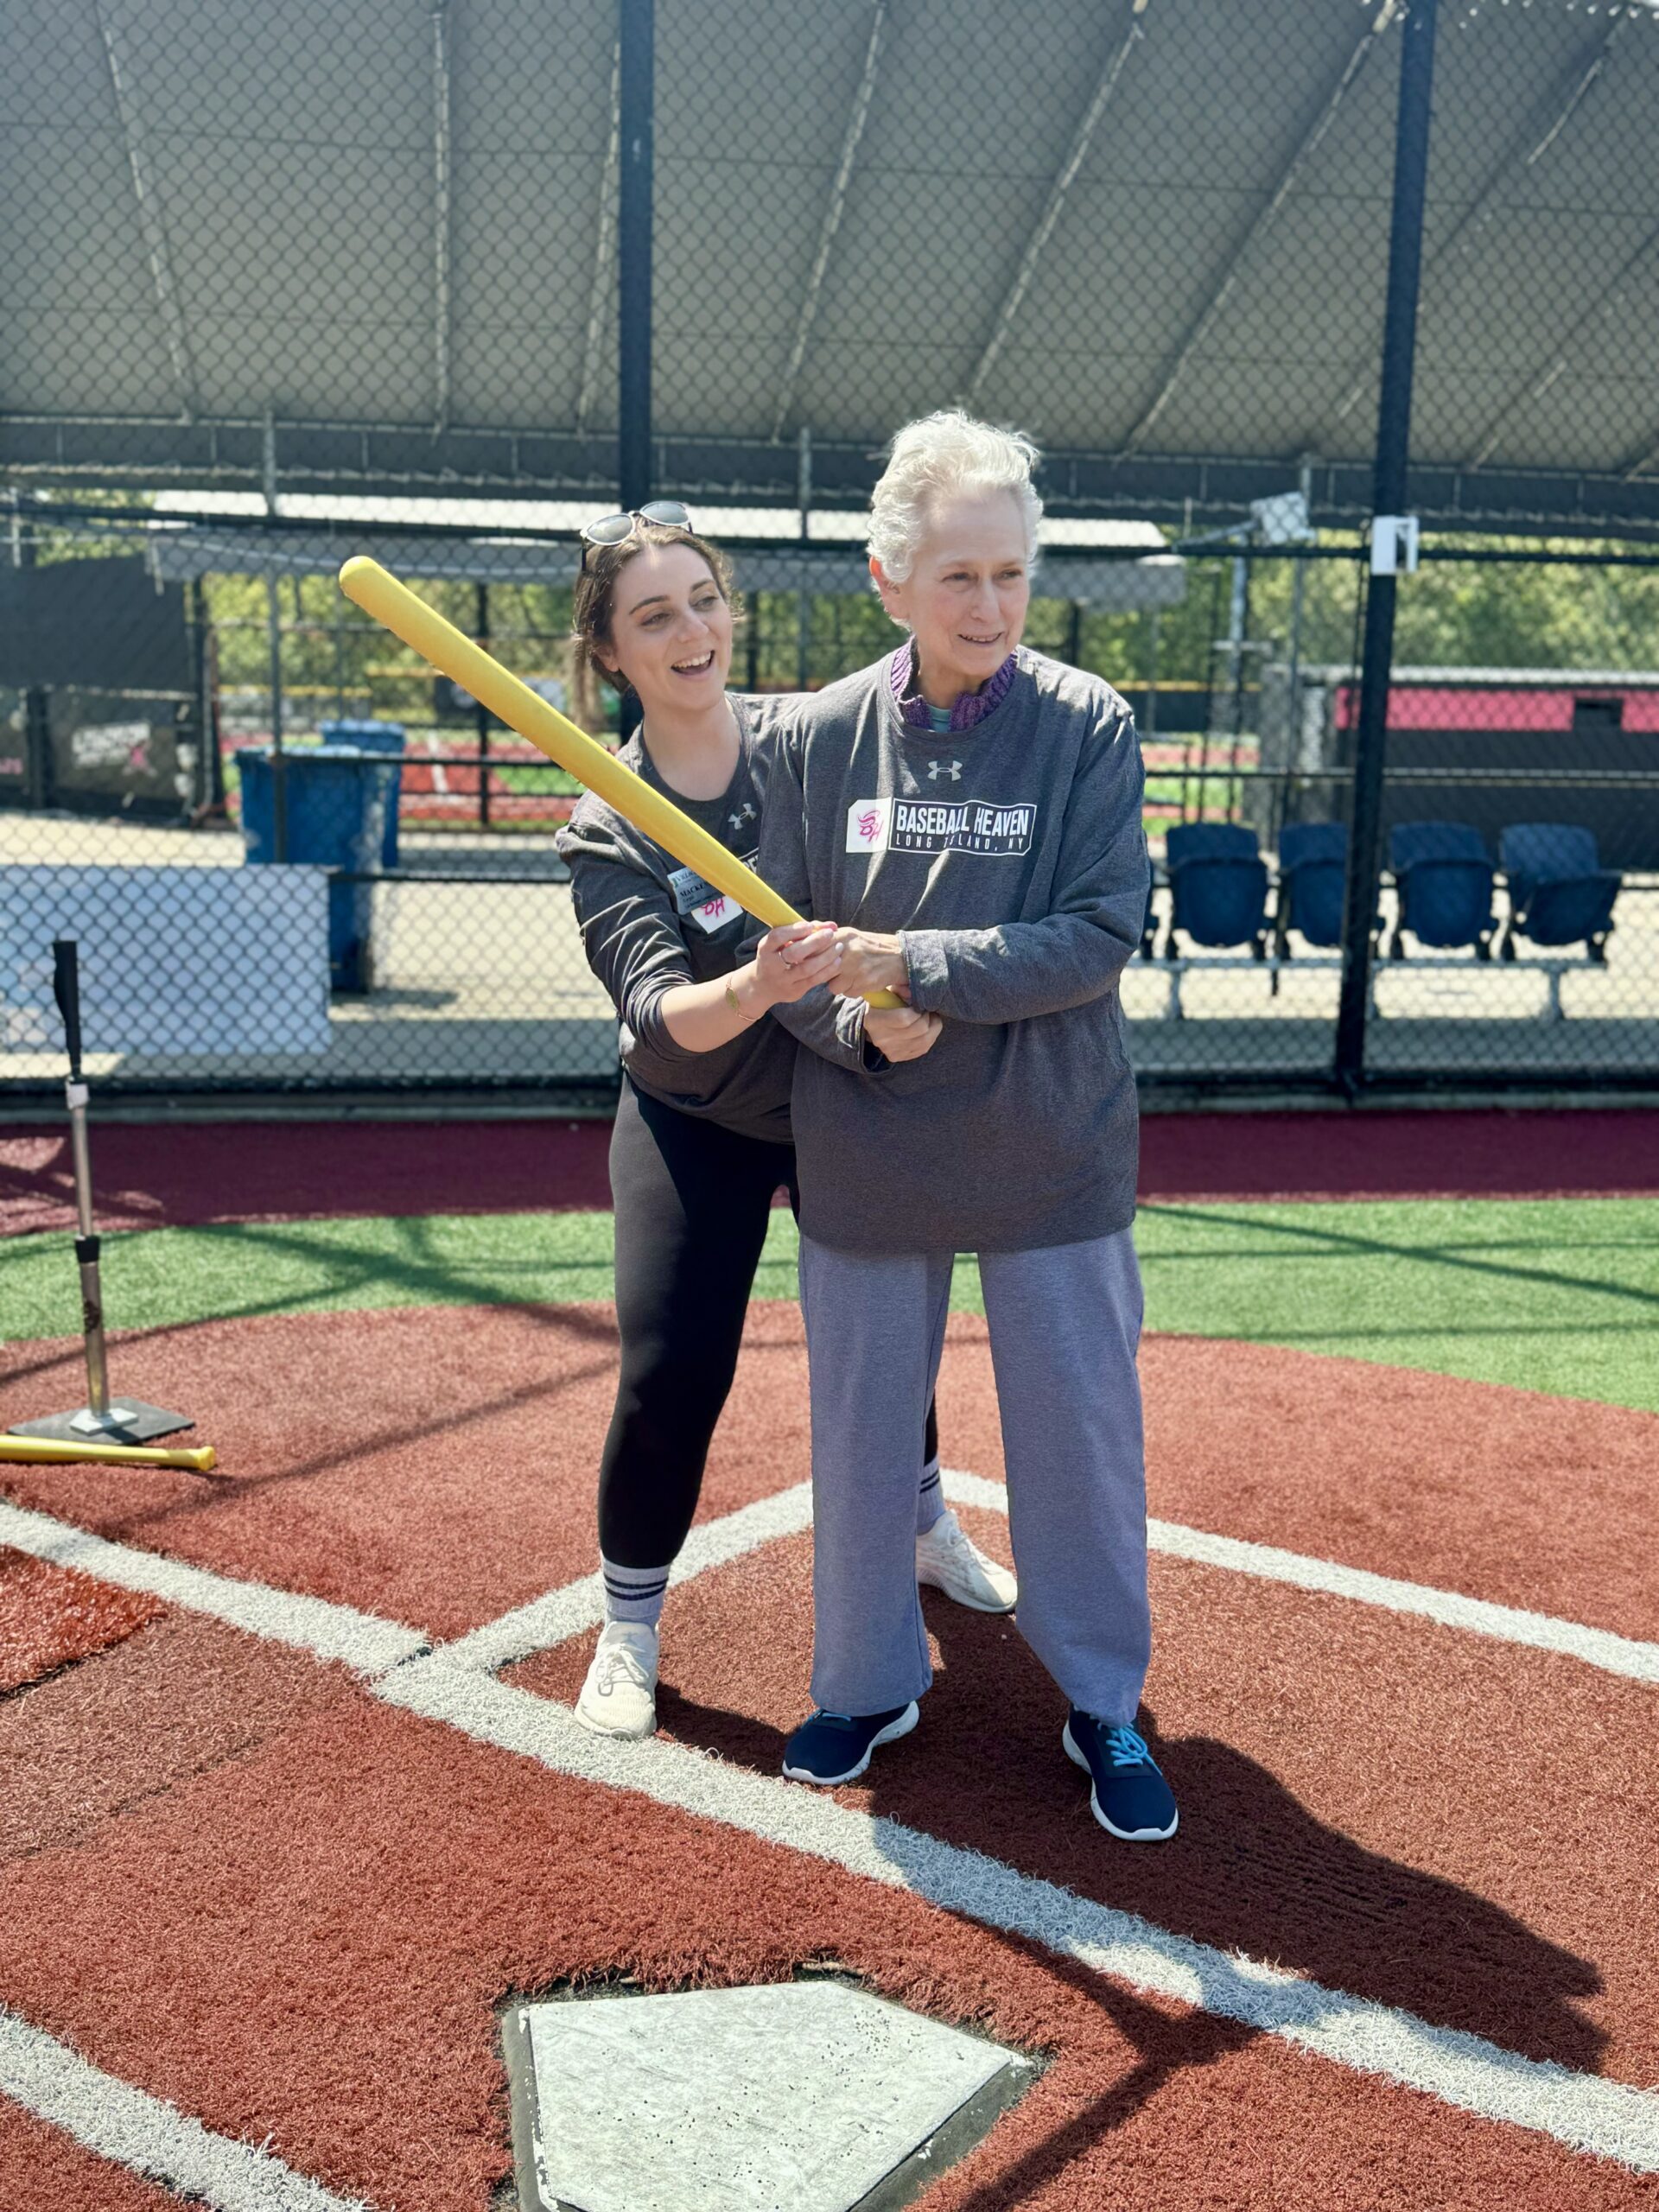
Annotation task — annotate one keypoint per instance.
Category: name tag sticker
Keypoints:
(715, 912)
(689, 890)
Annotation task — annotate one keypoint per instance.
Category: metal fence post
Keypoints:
(39, 780)
(208, 796)
(803, 597)
(636, 33)
(481, 633)
(1387, 498)
(274, 629)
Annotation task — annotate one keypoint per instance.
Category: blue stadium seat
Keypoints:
(1192, 841)
(1558, 892)
(1218, 887)
(1444, 879)
(1312, 879)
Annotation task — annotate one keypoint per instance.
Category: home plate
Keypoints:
(805, 2096)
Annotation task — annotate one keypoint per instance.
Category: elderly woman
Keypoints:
(969, 812)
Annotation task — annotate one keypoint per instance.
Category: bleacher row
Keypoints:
(1223, 894)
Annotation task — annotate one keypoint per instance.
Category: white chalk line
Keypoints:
(147, 2135)
(369, 1644)
(456, 1683)
(1596, 1647)
(364, 1642)
(560, 1614)
(578, 1606)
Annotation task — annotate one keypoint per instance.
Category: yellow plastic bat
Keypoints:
(51, 1451)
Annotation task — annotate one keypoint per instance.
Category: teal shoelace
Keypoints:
(1128, 1749)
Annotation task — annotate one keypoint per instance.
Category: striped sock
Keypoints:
(634, 1593)
(930, 1499)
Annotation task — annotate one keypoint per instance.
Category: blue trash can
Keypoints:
(338, 801)
(375, 737)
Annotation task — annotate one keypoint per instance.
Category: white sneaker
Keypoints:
(620, 1695)
(949, 1559)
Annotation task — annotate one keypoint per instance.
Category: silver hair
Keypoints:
(940, 457)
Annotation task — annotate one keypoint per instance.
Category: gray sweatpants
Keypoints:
(1064, 1323)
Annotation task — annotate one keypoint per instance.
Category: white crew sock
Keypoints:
(634, 1593)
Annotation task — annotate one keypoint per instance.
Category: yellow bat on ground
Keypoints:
(49, 1451)
(367, 584)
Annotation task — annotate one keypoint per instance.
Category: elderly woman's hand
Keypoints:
(899, 1032)
(871, 963)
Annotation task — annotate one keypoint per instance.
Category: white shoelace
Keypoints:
(617, 1660)
(949, 1535)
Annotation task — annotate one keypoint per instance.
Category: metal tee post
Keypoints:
(129, 1421)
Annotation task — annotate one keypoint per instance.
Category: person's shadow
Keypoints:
(1251, 1870)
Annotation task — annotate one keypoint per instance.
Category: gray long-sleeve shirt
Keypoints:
(1012, 860)
(649, 923)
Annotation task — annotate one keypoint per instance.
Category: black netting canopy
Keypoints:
(1154, 232)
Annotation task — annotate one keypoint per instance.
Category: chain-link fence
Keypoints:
(1511, 938)
(438, 282)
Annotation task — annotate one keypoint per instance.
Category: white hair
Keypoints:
(941, 457)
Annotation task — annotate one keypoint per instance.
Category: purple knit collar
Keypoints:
(971, 708)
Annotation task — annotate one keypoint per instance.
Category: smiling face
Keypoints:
(967, 593)
(671, 630)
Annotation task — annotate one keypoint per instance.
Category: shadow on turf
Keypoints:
(426, 1277)
(1332, 1243)
(446, 1421)
(1253, 1870)
(1164, 2045)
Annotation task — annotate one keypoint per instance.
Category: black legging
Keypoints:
(692, 1201)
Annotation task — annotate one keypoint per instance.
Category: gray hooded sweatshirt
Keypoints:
(1011, 859)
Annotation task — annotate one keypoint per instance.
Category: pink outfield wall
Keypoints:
(1457, 707)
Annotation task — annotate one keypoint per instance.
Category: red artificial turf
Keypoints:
(435, 1466)
(229, 1875)
(328, 1975)
(52, 1615)
(78, 1752)
(43, 2169)
(1364, 1796)
(440, 1466)
(160, 1174)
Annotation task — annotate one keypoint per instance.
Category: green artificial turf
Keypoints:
(1556, 1294)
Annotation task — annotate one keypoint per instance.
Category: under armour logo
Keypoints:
(938, 768)
(744, 813)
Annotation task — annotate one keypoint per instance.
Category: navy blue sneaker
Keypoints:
(836, 1746)
(1130, 1797)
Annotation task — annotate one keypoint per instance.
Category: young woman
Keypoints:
(972, 811)
(702, 1139)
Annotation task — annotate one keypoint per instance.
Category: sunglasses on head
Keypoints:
(616, 530)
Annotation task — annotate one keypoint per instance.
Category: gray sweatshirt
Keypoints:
(648, 924)
(1011, 859)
